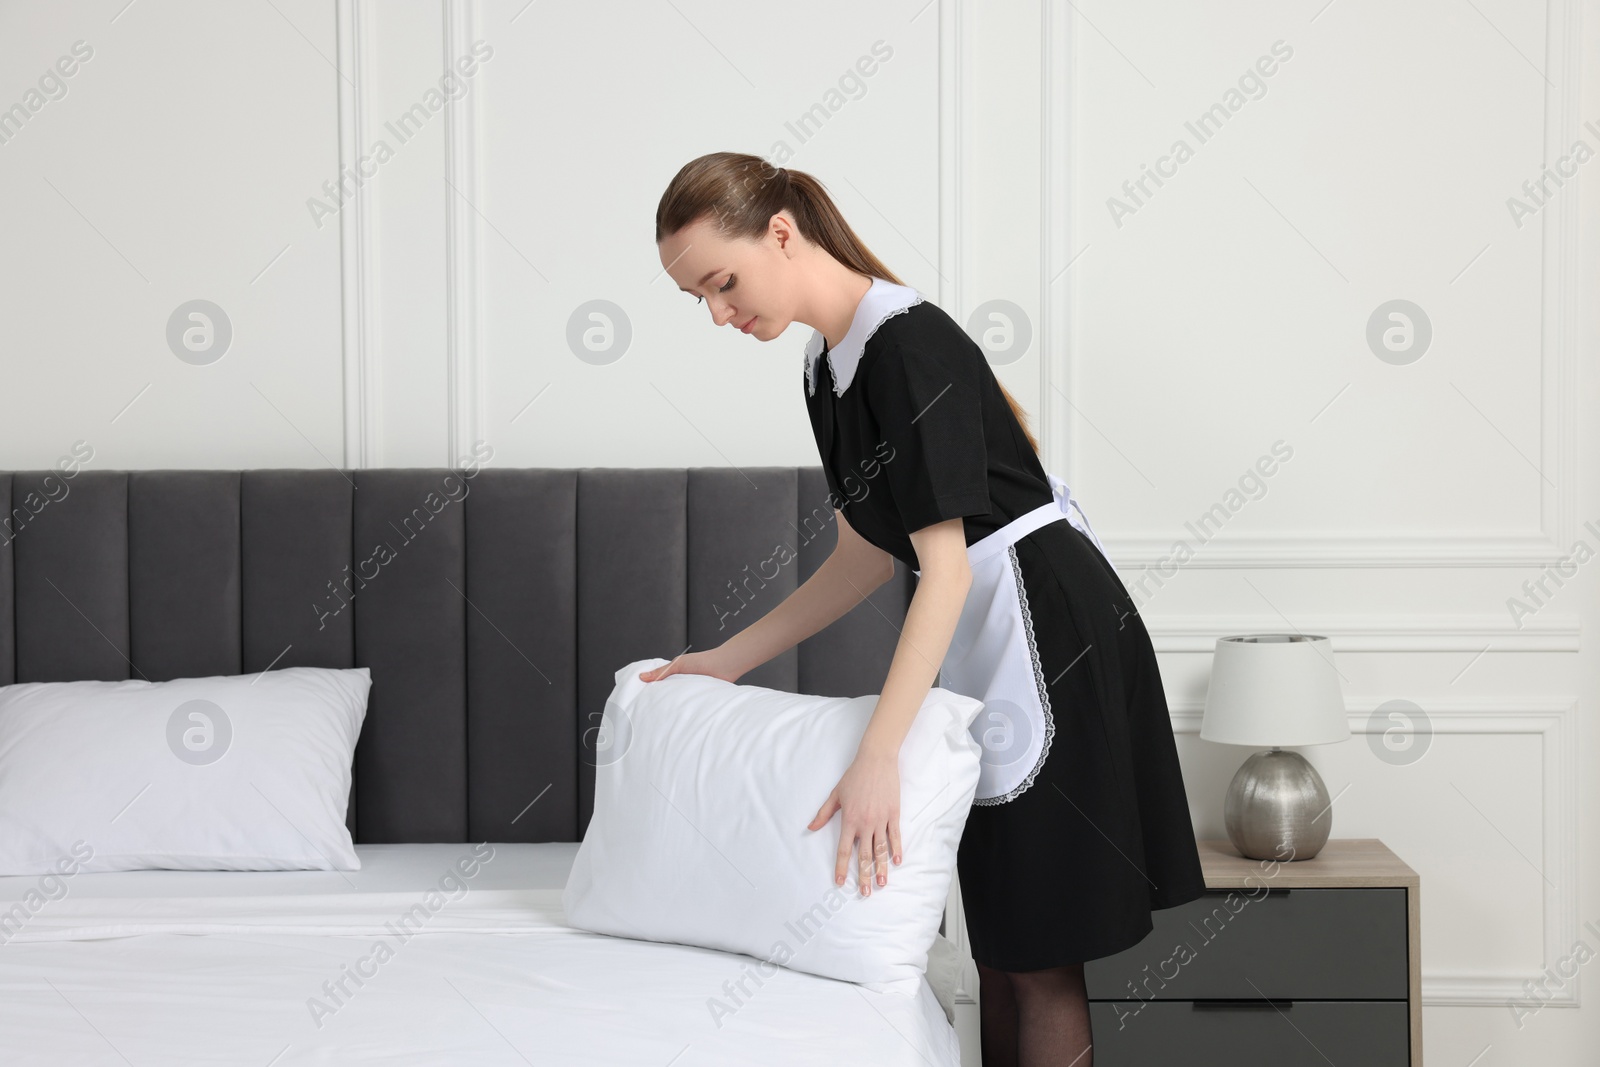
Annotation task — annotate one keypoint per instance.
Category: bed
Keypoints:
(285, 967)
(492, 625)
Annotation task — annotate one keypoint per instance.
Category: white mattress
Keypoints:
(205, 967)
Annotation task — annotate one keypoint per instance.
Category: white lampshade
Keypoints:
(1274, 689)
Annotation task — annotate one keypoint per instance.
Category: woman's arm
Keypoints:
(930, 623)
(852, 570)
(869, 792)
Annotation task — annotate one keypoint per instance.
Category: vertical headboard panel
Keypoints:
(298, 573)
(632, 591)
(411, 631)
(522, 655)
(852, 656)
(493, 610)
(183, 573)
(739, 539)
(71, 562)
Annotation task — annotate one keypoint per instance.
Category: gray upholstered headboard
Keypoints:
(493, 610)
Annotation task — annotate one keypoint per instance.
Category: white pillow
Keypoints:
(703, 793)
(230, 773)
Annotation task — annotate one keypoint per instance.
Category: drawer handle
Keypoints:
(1236, 1003)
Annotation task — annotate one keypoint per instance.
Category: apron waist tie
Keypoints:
(1064, 506)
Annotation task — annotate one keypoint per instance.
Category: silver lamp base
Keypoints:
(1277, 808)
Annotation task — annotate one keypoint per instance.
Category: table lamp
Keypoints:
(1275, 689)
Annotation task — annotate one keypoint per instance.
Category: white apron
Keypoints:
(993, 656)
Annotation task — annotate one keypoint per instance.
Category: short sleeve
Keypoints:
(928, 405)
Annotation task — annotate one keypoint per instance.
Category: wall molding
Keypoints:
(1559, 335)
(465, 372)
(357, 275)
(1058, 235)
(361, 286)
(1555, 723)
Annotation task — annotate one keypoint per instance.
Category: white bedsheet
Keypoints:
(192, 967)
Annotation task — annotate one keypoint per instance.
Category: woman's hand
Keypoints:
(869, 796)
(715, 662)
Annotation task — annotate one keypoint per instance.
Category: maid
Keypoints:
(1080, 827)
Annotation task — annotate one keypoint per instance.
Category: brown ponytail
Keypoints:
(742, 192)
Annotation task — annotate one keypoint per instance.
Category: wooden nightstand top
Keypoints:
(1344, 862)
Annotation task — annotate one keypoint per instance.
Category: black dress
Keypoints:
(1069, 869)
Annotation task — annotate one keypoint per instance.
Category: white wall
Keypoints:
(175, 167)
(1173, 345)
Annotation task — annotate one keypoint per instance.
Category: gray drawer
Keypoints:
(1305, 1033)
(1299, 944)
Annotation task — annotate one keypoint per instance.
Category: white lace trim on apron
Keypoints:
(994, 654)
(1038, 680)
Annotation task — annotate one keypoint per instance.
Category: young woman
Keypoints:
(1080, 827)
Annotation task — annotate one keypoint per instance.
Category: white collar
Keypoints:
(883, 300)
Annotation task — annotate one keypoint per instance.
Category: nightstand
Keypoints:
(1307, 963)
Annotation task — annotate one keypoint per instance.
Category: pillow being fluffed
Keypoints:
(229, 773)
(703, 793)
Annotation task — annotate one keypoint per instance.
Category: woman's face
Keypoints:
(740, 282)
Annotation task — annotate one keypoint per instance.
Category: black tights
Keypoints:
(1035, 1018)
